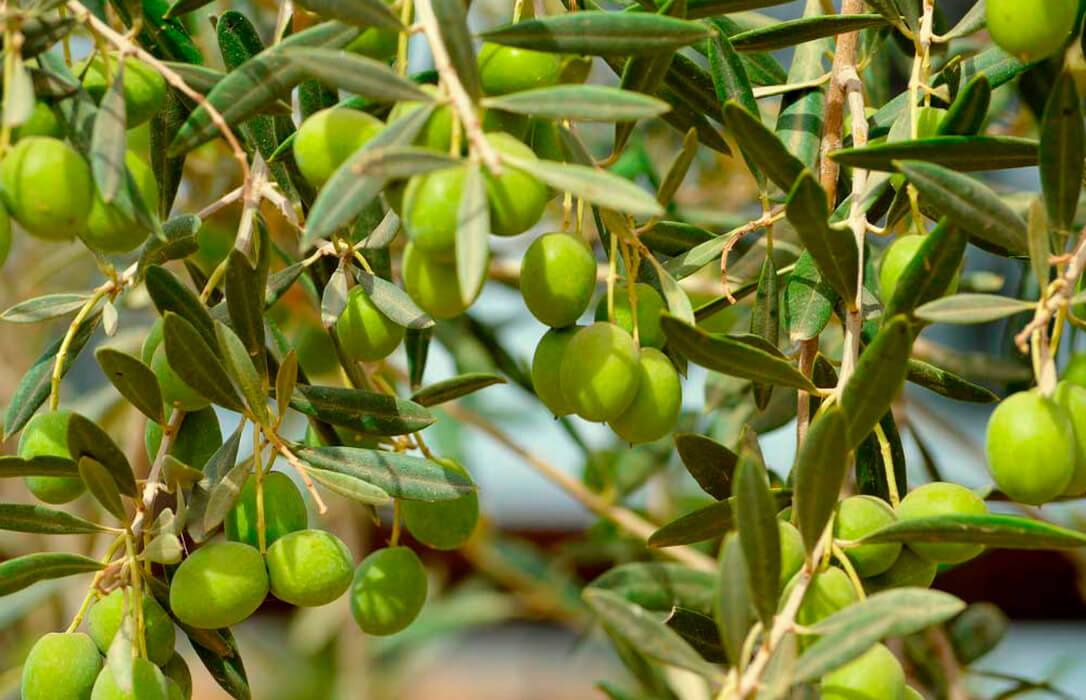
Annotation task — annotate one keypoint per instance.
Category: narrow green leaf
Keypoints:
(808, 300)
(669, 185)
(832, 248)
(711, 464)
(700, 255)
(819, 472)
(134, 380)
(733, 601)
(699, 631)
(369, 413)
(947, 383)
(86, 439)
(678, 303)
(932, 270)
(364, 13)
(730, 82)
(180, 242)
(472, 235)
(18, 98)
(200, 78)
(705, 523)
(966, 115)
(44, 521)
(44, 308)
(600, 33)
(20, 572)
(455, 388)
(224, 665)
(1063, 152)
(245, 289)
(393, 302)
(285, 382)
(223, 496)
(732, 357)
(356, 74)
(452, 22)
(170, 294)
(800, 119)
(239, 365)
(646, 633)
(102, 486)
(765, 320)
(993, 530)
(591, 184)
(972, 308)
(351, 487)
(108, 140)
(781, 35)
(659, 585)
(12, 466)
(877, 379)
(1040, 247)
(759, 535)
(762, 146)
(588, 103)
(192, 358)
(399, 475)
(960, 153)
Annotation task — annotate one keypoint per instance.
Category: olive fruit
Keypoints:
(1030, 444)
(106, 616)
(175, 392)
(499, 120)
(109, 229)
(599, 372)
(284, 511)
(46, 435)
(218, 585)
(858, 516)
(517, 199)
(388, 590)
(655, 407)
(61, 665)
(546, 370)
(829, 591)
(378, 43)
(178, 674)
(148, 683)
(436, 133)
(328, 138)
(894, 261)
(47, 187)
(1072, 399)
(874, 675)
(144, 89)
(649, 307)
(909, 571)
(1031, 30)
(942, 498)
(432, 284)
(792, 551)
(309, 568)
(42, 122)
(443, 524)
(557, 278)
(431, 204)
(364, 332)
(545, 139)
(506, 69)
(198, 437)
(1075, 372)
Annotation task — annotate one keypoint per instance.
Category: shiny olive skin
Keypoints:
(1031, 30)
(284, 511)
(144, 89)
(443, 525)
(942, 498)
(432, 284)
(649, 307)
(547, 368)
(148, 683)
(61, 665)
(431, 205)
(910, 570)
(874, 675)
(600, 372)
(218, 585)
(308, 568)
(507, 69)
(364, 332)
(1030, 444)
(1072, 399)
(388, 591)
(858, 516)
(105, 617)
(557, 279)
(655, 407)
(328, 138)
(47, 187)
(46, 435)
(109, 229)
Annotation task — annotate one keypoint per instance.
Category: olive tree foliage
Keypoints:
(878, 127)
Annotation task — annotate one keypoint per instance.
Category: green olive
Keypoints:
(144, 89)
(177, 673)
(655, 407)
(364, 332)
(499, 120)
(284, 511)
(1072, 399)
(858, 516)
(308, 568)
(197, 439)
(378, 43)
(894, 261)
(110, 230)
(431, 204)
(218, 585)
(557, 278)
(909, 571)
(547, 369)
(874, 675)
(1030, 444)
(792, 552)
(829, 591)
(443, 524)
(61, 665)
(436, 133)
(148, 683)
(42, 122)
(599, 372)
(517, 199)
(388, 591)
(1031, 30)
(175, 392)
(1075, 372)
(507, 69)
(545, 139)
(48, 187)
(328, 138)
(46, 435)
(432, 284)
(105, 617)
(649, 307)
(942, 498)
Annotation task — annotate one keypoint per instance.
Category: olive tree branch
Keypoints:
(1058, 295)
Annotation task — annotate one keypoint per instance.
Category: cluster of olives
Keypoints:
(47, 186)
(1036, 444)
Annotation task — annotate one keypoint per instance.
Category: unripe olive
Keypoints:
(874, 675)
(829, 591)
(197, 439)
(1072, 399)
(909, 571)
(106, 616)
(109, 230)
(46, 435)
(148, 683)
(443, 524)
(942, 498)
(178, 674)
(649, 307)
(655, 407)
(499, 120)
(388, 591)
(175, 392)
(328, 138)
(144, 89)
(506, 69)
(1030, 444)
(431, 204)
(42, 122)
(517, 199)
(599, 372)
(792, 552)
(436, 133)
(364, 332)
(545, 139)
(557, 278)
(432, 284)
(47, 187)
(858, 516)
(284, 511)
(218, 585)
(547, 370)
(894, 261)
(1075, 372)
(61, 665)
(309, 568)
(378, 43)
(1031, 30)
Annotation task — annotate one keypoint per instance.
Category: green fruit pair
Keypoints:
(388, 591)
(218, 585)
(144, 89)
(284, 511)
(109, 229)
(1031, 445)
(599, 372)
(326, 139)
(106, 616)
(655, 407)
(650, 305)
(858, 516)
(47, 187)
(557, 278)
(46, 435)
(364, 332)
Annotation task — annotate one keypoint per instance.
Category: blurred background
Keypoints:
(505, 621)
